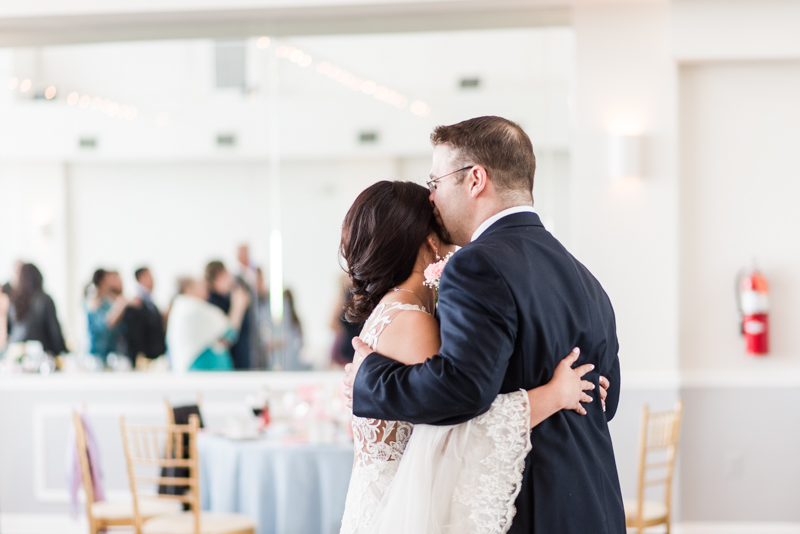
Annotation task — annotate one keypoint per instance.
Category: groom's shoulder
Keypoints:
(469, 255)
(475, 269)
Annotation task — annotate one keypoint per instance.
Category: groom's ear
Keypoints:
(477, 180)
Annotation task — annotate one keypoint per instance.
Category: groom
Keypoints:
(512, 302)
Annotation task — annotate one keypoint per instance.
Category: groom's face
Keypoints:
(450, 199)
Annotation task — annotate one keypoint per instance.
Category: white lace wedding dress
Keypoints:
(425, 479)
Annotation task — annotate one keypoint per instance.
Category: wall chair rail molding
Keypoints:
(711, 379)
(736, 528)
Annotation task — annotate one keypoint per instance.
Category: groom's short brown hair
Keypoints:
(498, 144)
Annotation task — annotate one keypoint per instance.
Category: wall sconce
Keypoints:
(624, 156)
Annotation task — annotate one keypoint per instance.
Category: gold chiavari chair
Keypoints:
(103, 514)
(171, 412)
(171, 408)
(658, 448)
(155, 448)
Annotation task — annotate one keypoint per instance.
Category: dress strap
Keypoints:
(380, 318)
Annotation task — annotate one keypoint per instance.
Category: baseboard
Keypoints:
(43, 524)
(734, 528)
(65, 524)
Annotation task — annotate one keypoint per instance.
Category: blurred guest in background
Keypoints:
(5, 302)
(247, 271)
(199, 334)
(220, 283)
(144, 326)
(32, 313)
(246, 276)
(105, 307)
(342, 351)
(8, 287)
(287, 339)
(264, 319)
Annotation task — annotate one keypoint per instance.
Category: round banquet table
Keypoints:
(288, 488)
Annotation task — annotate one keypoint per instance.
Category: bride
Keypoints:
(430, 479)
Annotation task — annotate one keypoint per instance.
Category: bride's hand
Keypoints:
(605, 385)
(568, 384)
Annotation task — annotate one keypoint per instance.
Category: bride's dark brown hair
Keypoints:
(381, 237)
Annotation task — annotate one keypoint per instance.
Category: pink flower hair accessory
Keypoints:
(433, 272)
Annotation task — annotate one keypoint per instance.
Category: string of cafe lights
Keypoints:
(290, 53)
(347, 79)
(82, 101)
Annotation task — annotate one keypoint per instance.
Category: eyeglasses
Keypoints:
(432, 182)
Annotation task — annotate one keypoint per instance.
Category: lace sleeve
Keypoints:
(379, 445)
(483, 500)
(459, 479)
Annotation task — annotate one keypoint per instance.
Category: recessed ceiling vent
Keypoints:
(368, 138)
(470, 83)
(87, 143)
(230, 65)
(226, 140)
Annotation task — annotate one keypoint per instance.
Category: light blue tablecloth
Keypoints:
(286, 488)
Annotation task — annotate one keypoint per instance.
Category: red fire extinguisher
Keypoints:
(753, 293)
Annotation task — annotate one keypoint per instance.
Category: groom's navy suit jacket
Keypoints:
(512, 304)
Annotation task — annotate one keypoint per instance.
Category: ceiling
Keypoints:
(524, 74)
(42, 22)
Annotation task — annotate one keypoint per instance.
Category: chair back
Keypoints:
(83, 459)
(150, 450)
(179, 414)
(658, 448)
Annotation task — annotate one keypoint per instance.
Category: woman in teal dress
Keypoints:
(199, 334)
(105, 307)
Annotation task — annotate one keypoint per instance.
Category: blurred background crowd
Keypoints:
(218, 321)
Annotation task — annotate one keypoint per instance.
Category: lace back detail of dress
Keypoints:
(379, 445)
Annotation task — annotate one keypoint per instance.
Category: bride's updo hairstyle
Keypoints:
(381, 237)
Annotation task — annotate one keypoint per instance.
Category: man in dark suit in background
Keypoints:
(512, 302)
(144, 334)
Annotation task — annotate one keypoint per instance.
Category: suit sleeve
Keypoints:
(478, 321)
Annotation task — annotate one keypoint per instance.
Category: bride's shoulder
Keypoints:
(411, 337)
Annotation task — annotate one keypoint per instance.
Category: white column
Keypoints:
(275, 238)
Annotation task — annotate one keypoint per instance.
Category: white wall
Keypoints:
(739, 132)
(626, 233)
(711, 30)
(740, 125)
(668, 247)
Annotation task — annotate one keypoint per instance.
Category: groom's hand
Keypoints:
(351, 369)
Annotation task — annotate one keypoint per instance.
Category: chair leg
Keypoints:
(668, 523)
